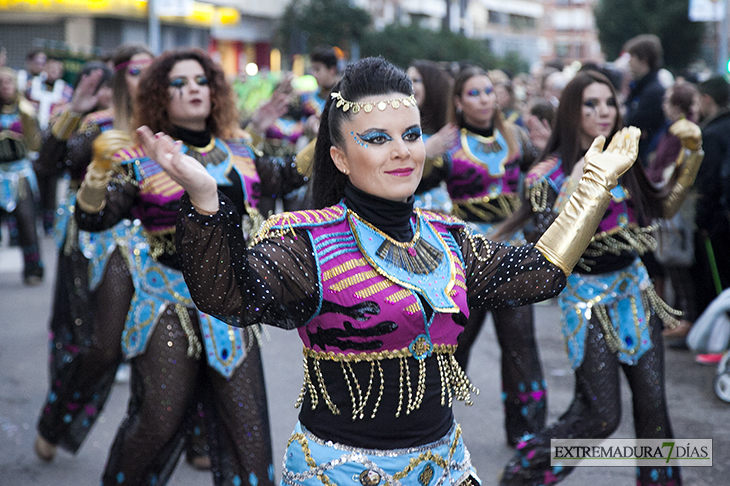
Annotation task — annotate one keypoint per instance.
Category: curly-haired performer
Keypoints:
(179, 355)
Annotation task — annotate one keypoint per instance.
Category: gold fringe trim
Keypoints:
(633, 238)
(651, 302)
(194, 345)
(538, 194)
(454, 382)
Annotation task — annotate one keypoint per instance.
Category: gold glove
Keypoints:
(66, 124)
(91, 197)
(569, 235)
(687, 163)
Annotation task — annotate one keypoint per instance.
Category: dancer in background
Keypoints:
(482, 171)
(93, 288)
(179, 355)
(19, 134)
(432, 91)
(379, 307)
(611, 316)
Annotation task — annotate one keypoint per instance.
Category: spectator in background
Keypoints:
(711, 270)
(3, 55)
(646, 95)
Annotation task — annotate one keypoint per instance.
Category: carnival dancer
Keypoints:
(93, 288)
(432, 91)
(482, 169)
(19, 134)
(611, 315)
(378, 291)
(178, 354)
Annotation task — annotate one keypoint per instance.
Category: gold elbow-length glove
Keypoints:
(569, 235)
(91, 196)
(687, 163)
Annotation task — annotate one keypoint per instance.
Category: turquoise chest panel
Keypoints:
(433, 286)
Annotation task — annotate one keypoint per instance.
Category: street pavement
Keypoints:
(24, 314)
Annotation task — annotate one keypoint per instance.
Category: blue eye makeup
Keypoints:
(412, 134)
(475, 92)
(375, 137)
(178, 82)
(201, 80)
(134, 72)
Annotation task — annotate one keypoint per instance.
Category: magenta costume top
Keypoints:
(379, 318)
(482, 176)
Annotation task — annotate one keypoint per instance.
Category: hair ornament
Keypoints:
(394, 103)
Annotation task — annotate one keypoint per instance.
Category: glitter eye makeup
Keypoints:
(178, 83)
(375, 137)
(412, 134)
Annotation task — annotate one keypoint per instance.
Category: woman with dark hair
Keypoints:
(611, 315)
(482, 169)
(432, 91)
(179, 355)
(378, 291)
(93, 284)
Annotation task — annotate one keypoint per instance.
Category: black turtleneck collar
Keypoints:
(191, 137)
(391, 217)
(484, 132)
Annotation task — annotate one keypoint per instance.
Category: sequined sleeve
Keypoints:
(278, 175)
(500, 275)
(121, 196)
(274, 283)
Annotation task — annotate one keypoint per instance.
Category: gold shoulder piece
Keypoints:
(107, 144)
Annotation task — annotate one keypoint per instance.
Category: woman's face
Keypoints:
(419, 90)
(189, 95)
(8, 88)
(598, 113)
(383, 152)
(133, 72)
(477, 102)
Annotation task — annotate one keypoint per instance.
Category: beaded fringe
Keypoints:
(632, 239)
(454, 382)
(538, 194)
(652, 303)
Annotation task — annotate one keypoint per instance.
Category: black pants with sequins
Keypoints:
(523, 387)
(25, 221)
(85, 345)
(167, 385)
(595, 412)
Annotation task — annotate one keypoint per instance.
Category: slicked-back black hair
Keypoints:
(367, 77)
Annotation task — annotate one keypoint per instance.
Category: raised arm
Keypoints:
(687, 163)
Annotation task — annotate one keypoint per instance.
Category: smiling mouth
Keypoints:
(400, 172)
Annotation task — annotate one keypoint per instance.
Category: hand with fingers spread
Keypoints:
(269, 112)
(610, 164)
(441, 141)
(183, 169)
(86, 94)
